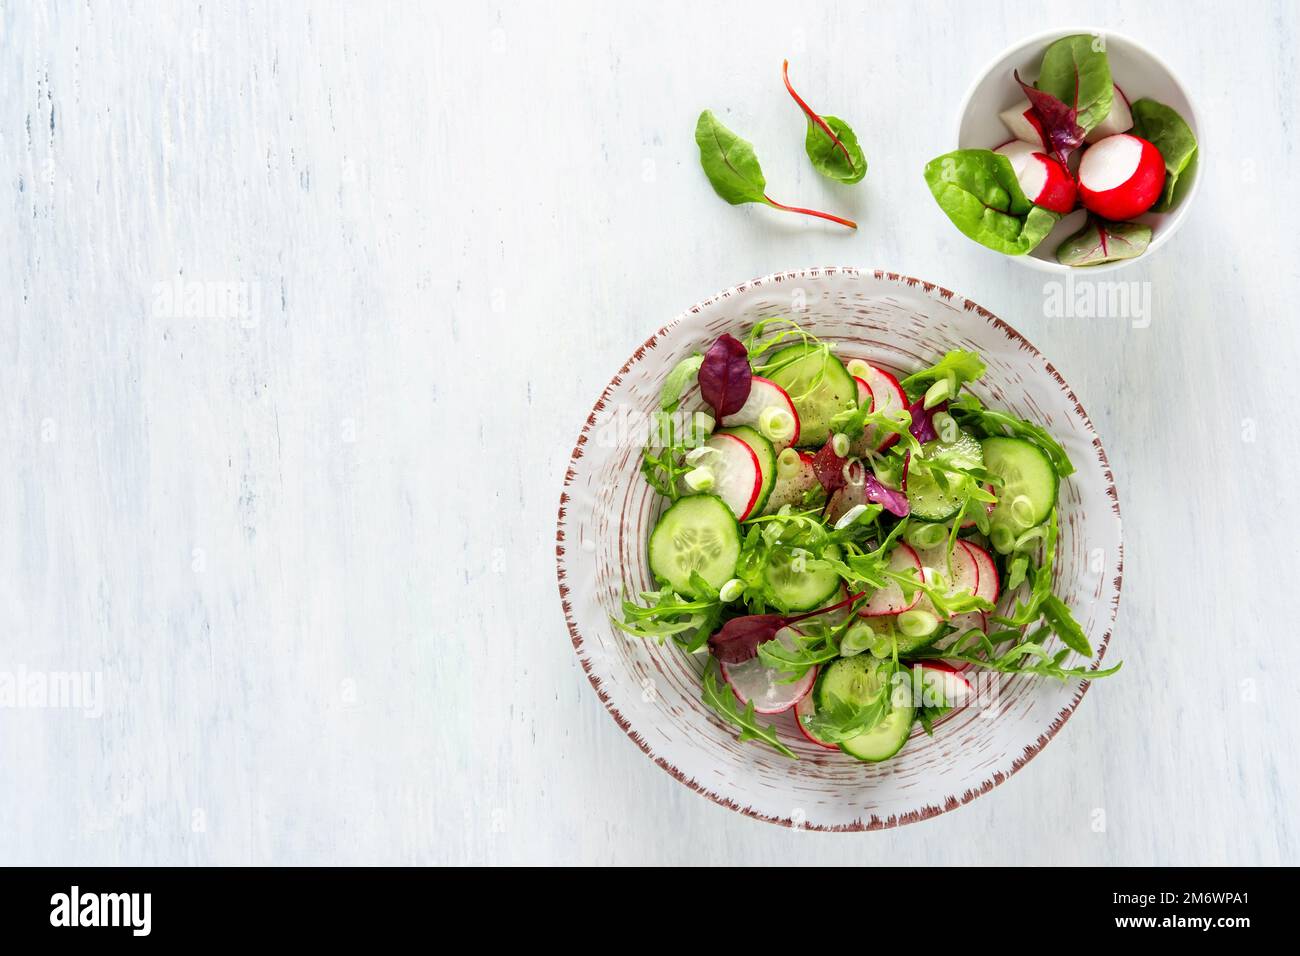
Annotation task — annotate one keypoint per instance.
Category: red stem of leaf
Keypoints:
(785, 73)
(810, 212)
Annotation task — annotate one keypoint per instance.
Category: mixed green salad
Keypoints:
(836, 540)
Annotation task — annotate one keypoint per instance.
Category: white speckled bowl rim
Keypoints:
(652, 690)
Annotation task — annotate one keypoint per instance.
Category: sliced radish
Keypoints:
(1120, 177)
(1024, 124)
(889, 599)
(865, 396)
(943, 683)
(765, 394)
(962, 571)
(1045, 181)
(1118, 120)
(988, 587)
(737, 477)
(803, 711)
(887, 398)
(754, 682)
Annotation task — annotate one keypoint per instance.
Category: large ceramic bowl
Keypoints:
(652, 691)
(1138, 71)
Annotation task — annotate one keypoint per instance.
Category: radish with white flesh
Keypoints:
(1043, 180)
(795, 477)
(1120, 177)
(961, 571)
(737, 475)
(988, 587)
(774, 425)
(886, 398)
(754, 682)
(865, 397)
(889, 599)
(804, 710)
(1024, 124)
(943, 685)
(1118, 120)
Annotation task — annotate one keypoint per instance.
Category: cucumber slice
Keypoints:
(855, 680)
(766, 454)
(801, 590)
(928, 501)
(886, 738)
(698, 533)
(818, 384)
(885, 634)
(1027, 474)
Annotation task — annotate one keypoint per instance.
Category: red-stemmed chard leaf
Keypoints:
(1060, 121)
(737, 641)
(895, 502)
(829, 468)
(725, 375)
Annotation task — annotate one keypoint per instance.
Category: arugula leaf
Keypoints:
(722, 702)
(734, 172)
(1101, 241)
(970, 411)
(1076, 71)
(1063, 625)
(668, 614)
(836, 720)
(977, 189)
(830, 143)
(1168, 132)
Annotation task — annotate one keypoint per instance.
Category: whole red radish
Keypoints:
(1120, 177)
(1042, 179)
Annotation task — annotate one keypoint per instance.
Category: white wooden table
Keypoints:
(305, 304)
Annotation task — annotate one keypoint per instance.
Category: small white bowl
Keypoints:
(1138, 71)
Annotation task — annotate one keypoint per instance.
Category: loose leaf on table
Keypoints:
(830, 142)
(979, 192)
(1076, 71)
(719, 698)
(734, 172)
(1168, 132)
(1059, 121)
(1101, 241)
(725, 375)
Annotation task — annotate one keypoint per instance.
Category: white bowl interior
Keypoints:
(607, 511)
(1137, 71)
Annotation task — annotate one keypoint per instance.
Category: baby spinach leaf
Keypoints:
(830, 142)
(978, 190)
(1168, 132)
(729, 161)
(1100, 241)
(733, 170)
(678, 380)
(1077, 72)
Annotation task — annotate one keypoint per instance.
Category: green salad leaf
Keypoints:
(1101, 241)
(719, 698)
(1168, 132)
(830, 142)
(977, 189)
(1076, 71)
